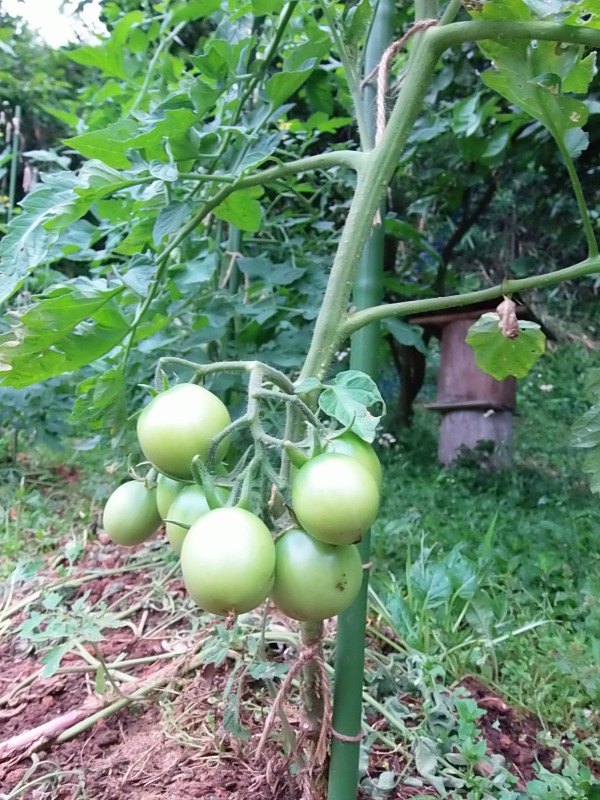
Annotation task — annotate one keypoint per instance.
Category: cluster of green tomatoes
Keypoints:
(230, 560)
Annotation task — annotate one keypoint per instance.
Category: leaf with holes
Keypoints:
(535, 76)
(355, 401)
(502, 357)
(70, 327)
(27, 242)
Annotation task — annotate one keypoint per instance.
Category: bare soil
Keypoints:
(173, 744)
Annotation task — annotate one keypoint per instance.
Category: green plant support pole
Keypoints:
(14, 163)
(350, 642)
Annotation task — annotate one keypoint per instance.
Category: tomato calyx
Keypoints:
(296, 457)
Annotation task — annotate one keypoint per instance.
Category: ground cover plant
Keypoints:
(185, 183)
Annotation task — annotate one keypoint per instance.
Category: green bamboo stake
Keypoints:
(350, 642)
(14, 163)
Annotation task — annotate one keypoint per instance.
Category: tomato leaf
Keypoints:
(70, 327)
(242, 209)
(267, 670)
(355, 401)
(502, 357)
(52, 658)
(26, 242)
(170, 219)
(535, 75)
(405, 334)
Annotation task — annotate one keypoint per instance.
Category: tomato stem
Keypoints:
(203, 477)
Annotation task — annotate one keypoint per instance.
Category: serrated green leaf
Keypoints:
(51, 659)
(231, 718)
(203, 97)
(355, 401)
(585, 434)
(60, 333)
(405, 334)
(170, 220)
(262, 269)
(581, 75)
(110, 56)
(216, 649)
(533, 76)
(319, 92)
(259, 152)
(108, 144)
(242, 209)
(165, 127)
(26, 242)
(193, 9)
(576, 141)
(296, 70)
(162, 171)
(101, 401)
(51, 600)
(502, 357)
(357, 21)
(267, 670)
(283, 85)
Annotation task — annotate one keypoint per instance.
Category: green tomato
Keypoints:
(228, 561)
(179, 424)
(167, 490)
(314, 580)
(350, 444)
(130, 514)
(189, 505)
(335, 498)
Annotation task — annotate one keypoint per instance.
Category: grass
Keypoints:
(529, 544)
(48, 499)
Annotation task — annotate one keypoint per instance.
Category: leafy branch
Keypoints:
(322, 161)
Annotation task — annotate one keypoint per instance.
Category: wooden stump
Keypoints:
(466, 428)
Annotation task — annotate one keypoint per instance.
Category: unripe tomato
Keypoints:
(351, 444)
(167, 490)
(189, 505)
(228, 561)
(179, 424)
(335, 498)
(314, 580)
(130, 514)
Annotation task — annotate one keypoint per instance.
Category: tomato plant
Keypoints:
(228, 561)
(198, 185)
(314, 580)
(335, 498)
(130, 514)
(179, 424)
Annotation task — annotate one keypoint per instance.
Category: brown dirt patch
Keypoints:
(173, 745)
(510, 732)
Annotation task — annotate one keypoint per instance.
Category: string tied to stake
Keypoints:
(382, 71)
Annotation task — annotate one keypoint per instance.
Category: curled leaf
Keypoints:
(508, 322)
